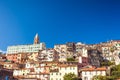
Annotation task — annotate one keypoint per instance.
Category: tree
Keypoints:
(107, 63)
(115, 71)
(115, 74)
(69, 76)
(99, 77)
(70, 59)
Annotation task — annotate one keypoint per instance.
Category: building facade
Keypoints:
(89, 73)
(26, 48)
(31, 48)
(95, 57)
(57, 72)
(14, 53)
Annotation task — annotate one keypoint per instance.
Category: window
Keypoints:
(51, 78)
(60, 73)
(73, 68)
(85, 78)
(51, 73)
(96, 72)
(90, 72)
(56, 73)
(100, 72)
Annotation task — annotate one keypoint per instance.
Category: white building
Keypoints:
(31, 48)
(60, 48)
(62, 57)
(26, 48)
(31, 65)
(21, 72)
(117, 59)
(58, 71)
(47, 55)
(34, 70)
(89, 73)
(81, 49)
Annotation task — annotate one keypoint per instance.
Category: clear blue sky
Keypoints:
(58, 21)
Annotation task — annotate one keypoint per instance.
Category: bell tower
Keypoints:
(36, 39)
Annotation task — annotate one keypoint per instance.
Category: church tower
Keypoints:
(36, 39)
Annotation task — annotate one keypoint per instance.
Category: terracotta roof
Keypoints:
(2, 63)
(43, 67)
(67, 65)
(94, 69)
(38, 73)
(22, 69)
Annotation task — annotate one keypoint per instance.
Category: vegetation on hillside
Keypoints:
(70, 59)
(115, 74)
(69, 76)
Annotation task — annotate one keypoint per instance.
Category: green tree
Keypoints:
(99, 77)
(115, 71)
(107, 63)
(115, 74)
(69, 76)
(70, 59)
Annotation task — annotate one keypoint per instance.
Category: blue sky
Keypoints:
(58, 21)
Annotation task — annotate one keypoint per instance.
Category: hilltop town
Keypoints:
(69, 61)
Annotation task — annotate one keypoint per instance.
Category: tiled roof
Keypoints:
(38, 73)
(66, 65)
(94, 69)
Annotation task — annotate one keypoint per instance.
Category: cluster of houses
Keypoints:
(36, 62)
